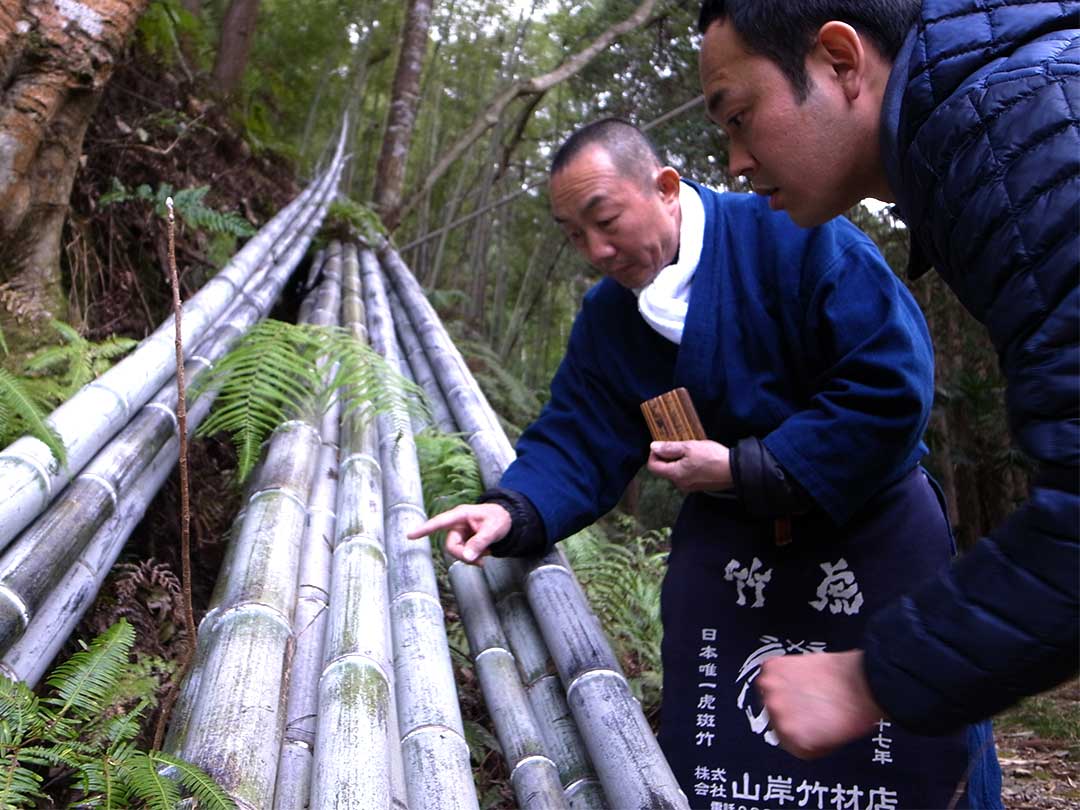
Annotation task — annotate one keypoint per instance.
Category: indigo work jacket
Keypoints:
(803, 338)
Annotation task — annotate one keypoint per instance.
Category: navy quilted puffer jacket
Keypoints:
(981, 137)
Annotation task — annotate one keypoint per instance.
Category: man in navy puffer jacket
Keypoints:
(966, 114)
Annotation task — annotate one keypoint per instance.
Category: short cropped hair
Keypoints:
(784, 30)
(632, 153)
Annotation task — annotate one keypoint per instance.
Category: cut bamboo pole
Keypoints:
(33, 567)
(627, 758)
(536, 733)
(438, 773)
(563, 743)
(235, 726)
(31, 477)
(356, 735)
(416, 360)
(313, 589)
(28, 658)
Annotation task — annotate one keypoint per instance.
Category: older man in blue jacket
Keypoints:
(966, 114)
(810, 367)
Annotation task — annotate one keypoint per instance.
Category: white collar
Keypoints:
(663, 303)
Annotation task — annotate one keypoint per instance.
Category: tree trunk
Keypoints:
(237, 34)
(55, 59)
(390, 177)
(526, 87)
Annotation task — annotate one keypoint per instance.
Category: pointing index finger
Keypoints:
(444, 521)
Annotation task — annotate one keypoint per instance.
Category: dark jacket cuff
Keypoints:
(527, 536)
(762, 485)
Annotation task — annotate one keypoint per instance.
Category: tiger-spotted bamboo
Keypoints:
(521, 734)
(30, 477)
(33, 567)
(234, 726)
(627, 758)
(357, 754)
(437, 769)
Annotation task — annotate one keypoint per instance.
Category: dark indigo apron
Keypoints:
(732, 598)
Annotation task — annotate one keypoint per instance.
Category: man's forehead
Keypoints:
(583, 184)
(723, 58)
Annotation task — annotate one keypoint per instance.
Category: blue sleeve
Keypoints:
(574, 462)
(998, 217)
(870, 400)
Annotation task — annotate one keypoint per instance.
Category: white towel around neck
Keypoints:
(663, 303)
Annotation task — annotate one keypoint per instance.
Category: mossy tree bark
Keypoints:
(390, 176)
(55, 59)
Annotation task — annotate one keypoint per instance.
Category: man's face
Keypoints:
(627, 231)
(796, 153)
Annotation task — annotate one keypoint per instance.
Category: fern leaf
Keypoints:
(50, 359)
(85, 681)
(27, 415)
(114, 347)
(448, 471)
(202, 786)
(140, 775)
(125, 726)
(59, 756)
(68, 332)
(19, 786)
(20, 718)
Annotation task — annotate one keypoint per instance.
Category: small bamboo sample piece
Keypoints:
(672, 418)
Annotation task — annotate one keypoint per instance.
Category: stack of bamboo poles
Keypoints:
(54, 568)
(30, 477)
(323, 675)
(230, 719)
(437, 768)
(503, 613)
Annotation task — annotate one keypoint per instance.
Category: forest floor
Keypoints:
(1039, 749)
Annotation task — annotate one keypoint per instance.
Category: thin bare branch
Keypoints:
(525, 87)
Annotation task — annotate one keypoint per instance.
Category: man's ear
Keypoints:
(667, 182)
(840, 48)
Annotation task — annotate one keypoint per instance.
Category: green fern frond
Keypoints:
(114, 347)
(19, 786)
(85, 732)
(124, 726)
(205, 790)
(448, 471)
(20, 717)
(140, 775)
(365, 378)
(190, 206)
(345, 213)
(20, 412)
(195, 212)
(59, 756)
(85, 681)
(67, 367)
(264, 380)
(279, 371)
